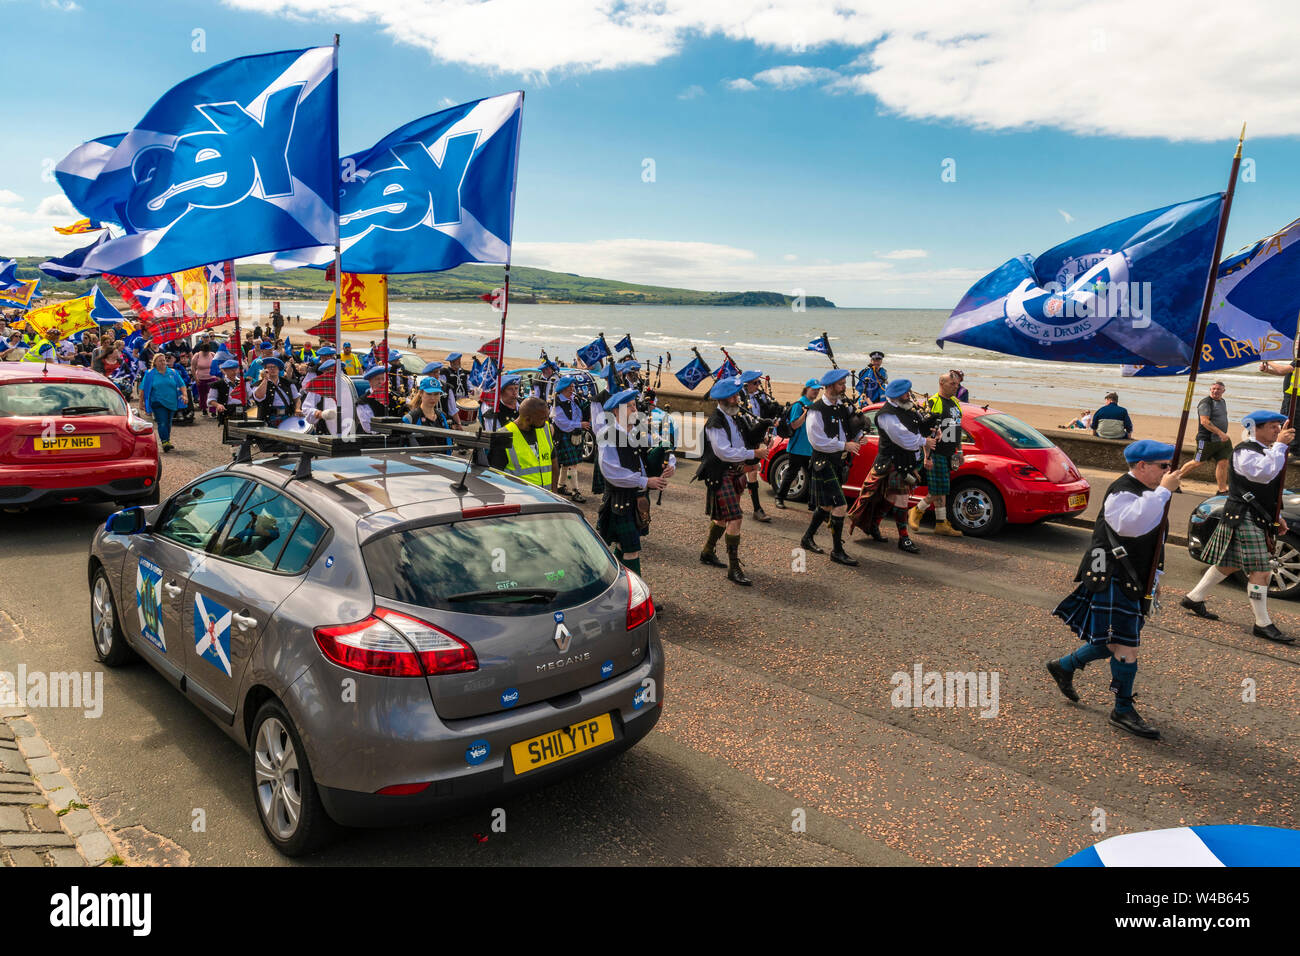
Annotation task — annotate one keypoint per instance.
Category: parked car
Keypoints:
(1286, 553)
(1012, 473)
(336, 617)
(67, 435)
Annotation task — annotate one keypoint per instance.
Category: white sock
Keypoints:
(1208, 580)
(1259, 603)
(940, 513)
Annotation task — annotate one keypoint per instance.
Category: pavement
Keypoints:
(790, 732)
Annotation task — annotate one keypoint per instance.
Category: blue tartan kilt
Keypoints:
(1107, 617)
(566, 452)
(938, 475)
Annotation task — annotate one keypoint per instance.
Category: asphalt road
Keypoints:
(777, 707)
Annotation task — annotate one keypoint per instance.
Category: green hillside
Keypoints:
(468, 282)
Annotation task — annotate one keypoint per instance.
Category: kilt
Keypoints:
(566, 452)
(722, 502)
(618, 529)
(938, 475)
(1241, 547)
(826, 482)
(1108, 617)
(901, 481)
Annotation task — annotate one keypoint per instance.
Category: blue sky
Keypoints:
(795, 146)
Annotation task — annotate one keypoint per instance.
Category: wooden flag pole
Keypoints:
(344, 424)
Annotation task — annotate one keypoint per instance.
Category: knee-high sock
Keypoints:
(1259, 603)
(1083, 656)
(632, 564)
(940, 512)
(900, 520)
(1122, 674)
(818, 517)
(715, 532)
(753, 496)
(1209, 579)
(733, 549)
(837, 532)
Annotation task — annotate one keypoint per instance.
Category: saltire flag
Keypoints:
(726, 370)
(179, 304)
(819, 344)
(694, 373)
(625, 344)
(69, 317)
(71, 267)
(9, 274)
(78, 227)
(591, 354)
(1254, 307)
(438, 192)
(1129, 292)
(1202, 846)
(21, 297)
(103, 311)
(235, 161)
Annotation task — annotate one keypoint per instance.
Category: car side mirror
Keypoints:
(127, 521)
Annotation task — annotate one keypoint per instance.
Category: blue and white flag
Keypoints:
(1127, 293)
(1254, 308)
(819, 344)
(693, 373)
(72, 267)
(625, 344)
(1206, 846)
(238, 160)
(475, 378)
(103, 311)
(726, 370)
(9, 274)
(436, 193)
(593, 352)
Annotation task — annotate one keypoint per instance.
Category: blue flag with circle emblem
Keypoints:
(1127, 293)
(694, 373)
(593, 352)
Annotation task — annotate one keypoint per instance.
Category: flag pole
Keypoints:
(829, 353)
(344, 425)
(501, 342)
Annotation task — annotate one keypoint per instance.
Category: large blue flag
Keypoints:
(238, 160)
(593, 352)
(71, 267)
(9, 274)
(1127, 293)
(1254, 308)
(694, 373)
(438, 192)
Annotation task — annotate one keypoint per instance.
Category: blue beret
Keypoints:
(394, 355)
(631, 365)
(374, 370)
(509, 380)
(273, 361)
(725, 388)
(898, 388)
(325, 350)
(451, 357)
(267, 344)
(833, 376)
(430, 368)
(1148, 450)
(751, 375)
(431, 385)
(1263, 417)
(813, 383)
(564, 382)
(347, 345)
(549, 364)
(326, 365)
(229, 363)
(619, 398)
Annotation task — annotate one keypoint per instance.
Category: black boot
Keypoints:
(838, 554)
(709, 555)
(734, 571)
(1132, 721)
(874, 531)
(1064, 679)
(807, 543)
(905, 543)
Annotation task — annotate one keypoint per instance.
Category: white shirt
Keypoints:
(817, 435)
(613, 469)
(898, 433)
(727, 443)
(1261, 467)
(563, 420)
(1133, 515)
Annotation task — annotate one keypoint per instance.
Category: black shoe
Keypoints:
(875, 534)
(1269, 632)
(763, 516)
(780, 503)
(908, 545)
(1198, 608)
(839, 556)
(1064, 679)
(1132, 721)
(710, 558)
(808, 544)
(577, 497)
(737, 574)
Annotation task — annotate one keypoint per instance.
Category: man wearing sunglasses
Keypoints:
(1109, 606)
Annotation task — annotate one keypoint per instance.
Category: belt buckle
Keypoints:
(1120, 551)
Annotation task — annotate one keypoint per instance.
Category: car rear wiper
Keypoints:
(516, 594)
(84, 409)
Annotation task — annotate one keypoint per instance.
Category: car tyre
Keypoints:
(798, 487)
(284, 790)
(1285, 579)
(588, 448)
(105, 628)
(976, 508)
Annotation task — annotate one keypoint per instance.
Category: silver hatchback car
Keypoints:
(390, 635)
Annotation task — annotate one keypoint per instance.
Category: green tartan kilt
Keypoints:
(619, 529)
(1241, 547)
(826, 476)
(566, 452)
(938, 477)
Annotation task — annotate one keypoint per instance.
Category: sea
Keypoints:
(774, 340)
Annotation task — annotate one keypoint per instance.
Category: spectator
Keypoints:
(201, 368)
(962, 394)
(1212, 441)
(1083, 421)
(162, 392)
(1111, 420)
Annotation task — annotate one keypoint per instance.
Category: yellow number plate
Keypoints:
(559, 744)
(1077, 501)
(67, 443)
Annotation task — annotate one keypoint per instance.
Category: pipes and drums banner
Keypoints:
(180, 303)
(20, 297)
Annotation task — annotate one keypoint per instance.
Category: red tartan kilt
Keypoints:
(723, 499)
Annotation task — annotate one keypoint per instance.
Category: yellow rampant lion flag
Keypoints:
(69, 317)
(365, 303)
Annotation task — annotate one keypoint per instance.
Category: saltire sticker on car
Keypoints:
(212, 633)
(148, 603)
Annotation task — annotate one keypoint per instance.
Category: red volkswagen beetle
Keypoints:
(1012, 472)
(67, 435)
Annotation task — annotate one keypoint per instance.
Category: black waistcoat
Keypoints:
(712, 468)
(1246, 498)
(897, 455)
(1099, 563)
(833, 418)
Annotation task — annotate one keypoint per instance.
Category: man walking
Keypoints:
(945, 415)
(1212, 442)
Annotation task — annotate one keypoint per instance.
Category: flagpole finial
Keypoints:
(1241, 139)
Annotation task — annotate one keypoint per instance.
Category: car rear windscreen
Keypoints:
(1014, 432)
(46, 399)
(513, 564)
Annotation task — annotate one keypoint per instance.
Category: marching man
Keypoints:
(945, 415)
(1110, 604)
(1250, 520)
(832, 446)
(723, 471)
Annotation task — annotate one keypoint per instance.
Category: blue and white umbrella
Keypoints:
(1195, 846)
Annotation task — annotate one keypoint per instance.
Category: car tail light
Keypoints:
(440, 652)
(1029, 473)
(640, 605)
(404, 789)
(371, 647)
(139, 426)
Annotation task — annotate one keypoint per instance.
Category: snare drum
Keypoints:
(466, 411)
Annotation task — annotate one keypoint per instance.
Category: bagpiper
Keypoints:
(624, 514)
(1110, 604)
(897, 468)
(1243, 539)
(723, 471)
(832, 447)
(945, 415)
(570, 431)
(759, 408)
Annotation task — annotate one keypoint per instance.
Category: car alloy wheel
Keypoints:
(110, 643)
(976, 509)
(588, 447)
(279, 787)
(1285, 580)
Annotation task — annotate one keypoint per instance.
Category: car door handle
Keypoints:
(174, 589)
(245, 622)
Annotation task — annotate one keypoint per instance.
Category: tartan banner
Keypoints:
(180, 304)
(236, 348)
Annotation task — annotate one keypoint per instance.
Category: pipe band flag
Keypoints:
(726, 370)
(694, 373)
(228, 163)
(1127, 293)
(181, 303)
(591, 353)
(438, 192)
(21, 297)
(819, 344)
(625, 344)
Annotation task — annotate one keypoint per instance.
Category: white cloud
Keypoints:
(691, 92)
(9, 196)
(790, 257)
(1179, 69)
(66, 6)
(58, 207)
(790, 77)
(25, 232)
(906, 254)
(741, 85)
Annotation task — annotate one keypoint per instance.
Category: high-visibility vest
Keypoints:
(523, 462)
(1291, 385)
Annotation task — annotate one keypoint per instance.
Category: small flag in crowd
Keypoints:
(78, 227)
(819, 344)
(103, 311)
(694, 373)
(592, 353)
(9, 275)
(491, 348)
(21, 297)
(227, 163)
(625, 344)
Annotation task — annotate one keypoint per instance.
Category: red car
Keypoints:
(1011, 473)
(67, 435)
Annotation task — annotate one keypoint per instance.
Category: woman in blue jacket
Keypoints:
(799, 448)
(162, 392)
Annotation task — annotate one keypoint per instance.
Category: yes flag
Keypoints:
(235, 161)
(429, 196)
(591, 353)
(694, 373)
(1127, 293)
